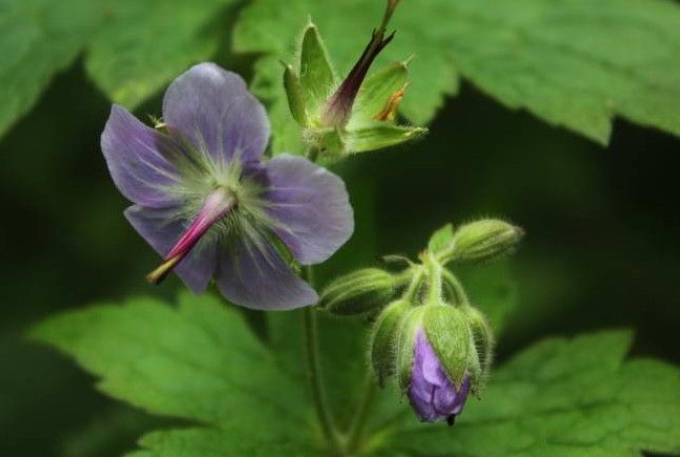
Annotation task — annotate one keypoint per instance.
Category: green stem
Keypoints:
(323, 410)
(356, 431)
(456, 290)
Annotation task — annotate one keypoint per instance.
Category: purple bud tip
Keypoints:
(432, 395)
(339, 107)
(216, 206)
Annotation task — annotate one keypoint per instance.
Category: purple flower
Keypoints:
(432, 395)
(205, 201)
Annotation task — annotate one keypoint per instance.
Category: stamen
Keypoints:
(217, 205)
(389, 112)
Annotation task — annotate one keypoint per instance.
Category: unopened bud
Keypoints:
(432, 392)
(359, 292)
(384, 339)
(483, 240)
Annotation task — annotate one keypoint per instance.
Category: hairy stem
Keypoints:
(323, 410)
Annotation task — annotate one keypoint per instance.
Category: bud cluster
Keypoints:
(357, 114)
(426, 331)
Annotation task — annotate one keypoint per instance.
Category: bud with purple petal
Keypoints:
(436, 361)
(353, 115)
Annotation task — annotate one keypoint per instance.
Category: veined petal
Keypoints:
(251, 273)
(309, 206)
(214, 110)
(161, 229)
(139, 159)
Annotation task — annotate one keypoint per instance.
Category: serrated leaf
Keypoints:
(198, 362)
(143, 45)
(576, 397)
(38, 38)
(575, 63)
(215, 443)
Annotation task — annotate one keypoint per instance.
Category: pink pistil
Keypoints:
(215, 208)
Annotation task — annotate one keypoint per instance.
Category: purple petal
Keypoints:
(433, 396)
(161, 229)
(138, 160)
(251, 273)
(214, 110)
(310, 208)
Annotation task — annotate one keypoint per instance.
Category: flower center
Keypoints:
(216, 206)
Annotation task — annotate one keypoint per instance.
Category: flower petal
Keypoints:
(251, 273)
(309, 206)
(161, 229)
(138, 160)
(214, 110)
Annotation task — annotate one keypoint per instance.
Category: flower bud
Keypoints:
(359, 292)
(432, 394)
(483, 240)
(384, 339)
(436, 360)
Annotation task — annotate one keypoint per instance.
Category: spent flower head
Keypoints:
(208, 203)
(356, 114)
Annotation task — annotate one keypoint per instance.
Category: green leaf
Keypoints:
(214, 443)
(564, 398)
(38, 38)
(144, 45)
(198, 362)
(576, 64)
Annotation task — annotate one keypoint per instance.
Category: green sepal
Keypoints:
(360, 292)
(449, 334)
(377, 89)
(411, 323)
(372, 135)
(481, 240)
(296, 97)
(484, 342)
(441, 240)
(317, 76)
(384, 339)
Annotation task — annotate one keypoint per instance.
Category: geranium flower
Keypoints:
(205, 200)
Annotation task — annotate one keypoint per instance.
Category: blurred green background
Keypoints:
(602, 245)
